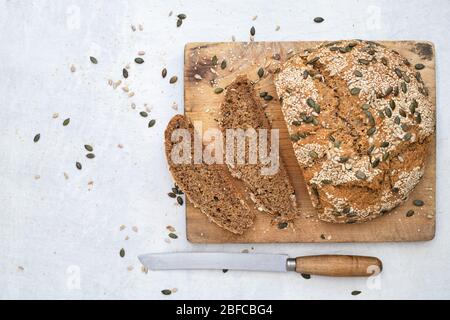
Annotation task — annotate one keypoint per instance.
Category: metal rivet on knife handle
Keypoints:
(338, 265)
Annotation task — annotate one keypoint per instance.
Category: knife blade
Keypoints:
(327, 265)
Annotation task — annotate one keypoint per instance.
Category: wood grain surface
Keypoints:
(202, 104)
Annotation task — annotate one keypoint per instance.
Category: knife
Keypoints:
(325, 265)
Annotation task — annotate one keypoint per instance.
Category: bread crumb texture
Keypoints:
(360, 121)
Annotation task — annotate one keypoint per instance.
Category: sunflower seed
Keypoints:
(375, 162)
(263, 94)
(313, 154)
(66, 122)
(37, 137)
(384, 61)
(179, 22)
(173, 79)
(410, 213)
(385, 156)
(413, 106)
(385, 144)
(363, 61)
(151, 123)
(418, 203)
(370, 149)
(181, 16)
(172, 195)
(402, 113)
(388, 112)
(360, 175)
(122, 253)
(388, 91)
(173, 235)
(164, 72)
(223, 65)
(78, 165)
(125, 73)
(407, 136)
(318, 19)
(143, 114)
(166, 292)
(139, 60)
(218, 90)
(404, 88)
(357, 73)
(392, 104)
(398, 72)
(371, 131)
(305, 74)
(355, 91)
(90, 156)
(397, 120)
(419, 66)
(252, 31)
(88, 147)
(180, 200)
(260, 72)
(406, 78)
(418, 118)
(93, 60)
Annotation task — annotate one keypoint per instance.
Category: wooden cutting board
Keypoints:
(202, 104)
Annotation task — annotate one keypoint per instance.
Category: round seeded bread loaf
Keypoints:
(360, 120)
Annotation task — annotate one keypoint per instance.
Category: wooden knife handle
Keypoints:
(338, 265)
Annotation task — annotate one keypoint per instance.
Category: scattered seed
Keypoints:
(164, 72)
(410, 213)
(356, 292)
(360, 175)
(371, 131)
(93, 60)
(66, 122)
(355, 91)
(125, 73)
(385, 144)
(406, 78)
(37, 137)
(173, 235)
(418, 203)
(397, 120)
(305, 276)
(151, 123)
(172, 195)
(78, 165)
(375, 162)
(388, 112)
(282, 225)
(263, 94)
(419, 66)
(260, 72)
(223, 65)
(180, 200)
(392, 104)
(88, 147)
(398, 72)
(166, 292)
(268, 97)
(90, 156)
(173, 79)
(143, 114)
(318, 20)
(402, 113)
(181, 16)
(218, 90)
(139, 60)
(179, 22)
(404, 88)
(122, 253)
(252, 31)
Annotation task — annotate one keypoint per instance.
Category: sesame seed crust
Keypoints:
(360, 121)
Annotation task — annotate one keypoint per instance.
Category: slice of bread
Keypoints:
(208, 187)
(272, 193)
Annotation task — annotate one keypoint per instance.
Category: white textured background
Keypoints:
(60, 238)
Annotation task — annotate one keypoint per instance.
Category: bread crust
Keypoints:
(360, 121)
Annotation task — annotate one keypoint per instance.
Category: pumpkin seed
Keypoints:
(375, 162)
(125, 73)
(357, 73)
(37, 137)
(388, 112)
(407, 136)
(173, 235)
(355, 91)
(139, 60)
(173, 79)
(181, 16)
(151, 123)
(355, 292)
(282, 225)
(318, 19)
(218, 90)
(363, 61)
(88, 147)
(172, 195)
(392, 104)
(93, 60)
(419, 66)
(164, 72)
(404, 88)
(313, 154)
(418, 203)
(260, 72)
(78, 165)
(398, 72)
(143, 114)
(179, 22)
(166, 292)
(268, 97)
(122, 253)
(371, 131)
(90, 156)
(252, 31)
(360, 175)
(223, 65)
(410, 213)
(180, 200)
(66, 122)
(313, 60)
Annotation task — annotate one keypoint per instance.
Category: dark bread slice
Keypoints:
(241, 109)
(208, 187)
